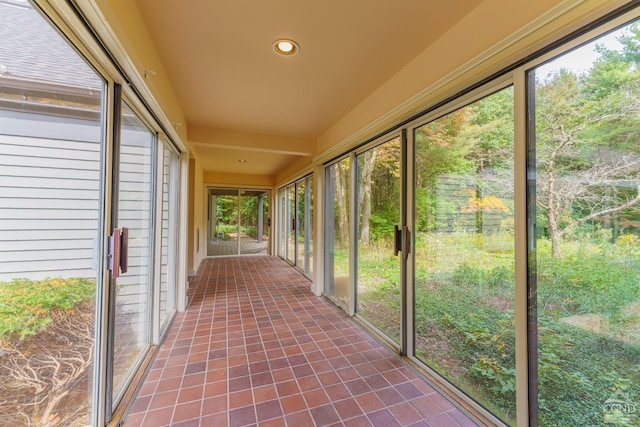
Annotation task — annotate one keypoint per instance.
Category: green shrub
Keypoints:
(25, 305)
(586, 283)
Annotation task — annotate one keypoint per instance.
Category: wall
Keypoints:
(199, 216)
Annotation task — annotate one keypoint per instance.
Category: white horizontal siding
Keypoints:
(46, 203)
(49, 190)
(44, 226)
(43, 213)
(35, 193)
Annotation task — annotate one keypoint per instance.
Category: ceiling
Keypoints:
(219, 61)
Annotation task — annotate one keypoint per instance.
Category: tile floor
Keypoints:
(256, 347)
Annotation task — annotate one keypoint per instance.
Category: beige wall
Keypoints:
(199, 216)
(294, 170)
(238, 180)
(196, 218)
(191, 240)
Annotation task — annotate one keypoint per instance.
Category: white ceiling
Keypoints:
(218, 57)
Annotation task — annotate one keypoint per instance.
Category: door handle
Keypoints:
(406, 242)
(124, 250)
(113, 255)
(397, 240)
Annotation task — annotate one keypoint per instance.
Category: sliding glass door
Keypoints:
(292, 223)
(296, 219)
(584, 180)
(51, 223)
(132, 221)
(378, 228)
(169, 235)
(464, 250)
(254, 229)
(239, 222)
(338, 285)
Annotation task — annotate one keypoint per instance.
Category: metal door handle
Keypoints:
(113, 262)
(407, 242)
(124, 250)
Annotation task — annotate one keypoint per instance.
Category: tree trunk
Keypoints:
(364, 195)
(553, 210)
(341, 194)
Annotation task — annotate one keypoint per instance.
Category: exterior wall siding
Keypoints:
(49, 192)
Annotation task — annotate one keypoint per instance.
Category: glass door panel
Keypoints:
(240, 222)
(169, 244)
(282, 223)
(301, 231)
(378, 280)
(296, 231)
(337, 239)
(308, 242)
(131, 329)
(464, 250)
(226, 231)
(51, 140)
(585, 246)
(253, 211)
(291, 223)
(263, 234)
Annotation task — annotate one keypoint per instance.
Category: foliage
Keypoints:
(586, 150)
(587, 280)
(578, 371)
(465, 321)
(26, 305)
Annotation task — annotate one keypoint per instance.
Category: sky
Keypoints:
(582, 58)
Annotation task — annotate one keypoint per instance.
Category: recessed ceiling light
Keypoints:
(285, 47)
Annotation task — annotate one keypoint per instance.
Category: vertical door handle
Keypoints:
(113, 262)
(124, 250)
(397, 240)
(406, 247)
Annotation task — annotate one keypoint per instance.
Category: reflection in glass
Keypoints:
(464, 250)
(586, 241)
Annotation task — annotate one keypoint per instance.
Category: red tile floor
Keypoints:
(256, 347)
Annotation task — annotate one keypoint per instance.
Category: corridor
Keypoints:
(256, 347)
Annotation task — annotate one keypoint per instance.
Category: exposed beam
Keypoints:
(223, 138)
(235, 180)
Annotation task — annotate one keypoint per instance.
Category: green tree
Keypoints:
(584, 127)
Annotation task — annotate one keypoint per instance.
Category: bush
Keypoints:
(586, 283)
(26, 305)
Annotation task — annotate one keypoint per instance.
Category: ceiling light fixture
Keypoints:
(285, 47)
(242, 161)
